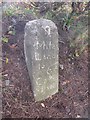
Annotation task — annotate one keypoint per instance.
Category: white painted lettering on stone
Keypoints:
(37, 57)
(41, 53)
(47, 29)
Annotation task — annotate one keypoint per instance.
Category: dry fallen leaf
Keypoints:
(6, 60)
(78, 116)
(65, 82)
(5, 75)
(13, 46)
(61, 66)
(42, 104)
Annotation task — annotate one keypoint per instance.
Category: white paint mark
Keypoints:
(47, 29)
(37, 57)
(36, 44)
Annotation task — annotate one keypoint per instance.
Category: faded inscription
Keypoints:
(41, 52)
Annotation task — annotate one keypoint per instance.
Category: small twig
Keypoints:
(54, 104)
(62, 42)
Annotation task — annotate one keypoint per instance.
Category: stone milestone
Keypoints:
(41, 54)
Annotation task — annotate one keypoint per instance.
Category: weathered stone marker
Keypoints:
(41, 53)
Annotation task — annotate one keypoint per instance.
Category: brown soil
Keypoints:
(18, 101)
